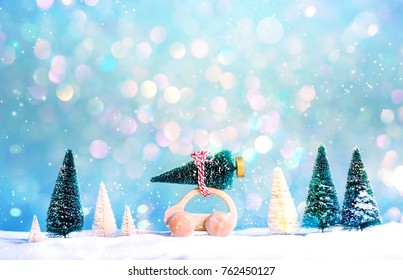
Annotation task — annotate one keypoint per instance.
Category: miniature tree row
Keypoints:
(322, 208)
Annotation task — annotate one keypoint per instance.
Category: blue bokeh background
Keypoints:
(133, 87)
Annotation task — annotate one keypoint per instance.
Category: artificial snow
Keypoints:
(381, 242)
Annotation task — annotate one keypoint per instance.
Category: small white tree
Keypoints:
(127, 222)
(35, 233)
(283, 216)
(104, 219)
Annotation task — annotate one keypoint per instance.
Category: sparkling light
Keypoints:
(15, 212)
(129, 88)
(213, 74)
(83, 73)
(148, 89)
(91, 3)
(172, 95)
(387, 116)
(127, 126)
(365, 24)
(95, 106)
(397, 96)
(227, 80)
(270, 30)
(142, 209)
(310, 11)
(151, 152)
(65, 92)
(219, 104)
(172, 130)
(158, 34)
(42, 49)
(307, 93)
(99, 149)
(254, 201)
(57, 72)
(226, 56)
(44, 4)
(263, 144)
(199, 49)
(398, 177)
(177, 50)
(144, 50)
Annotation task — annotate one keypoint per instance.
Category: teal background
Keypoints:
(133, 87)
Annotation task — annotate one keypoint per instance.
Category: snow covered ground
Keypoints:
(383, 242)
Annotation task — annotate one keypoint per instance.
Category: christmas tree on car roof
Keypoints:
(219, 172)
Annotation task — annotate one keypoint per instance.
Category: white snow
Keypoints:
(382, 242)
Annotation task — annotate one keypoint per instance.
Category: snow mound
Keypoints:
(382, 242)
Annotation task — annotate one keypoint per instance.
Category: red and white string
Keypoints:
(200, 158)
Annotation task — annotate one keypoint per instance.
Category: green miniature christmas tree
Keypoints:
(218, 172)
(65, 212)
(360, 209)
(322, 208)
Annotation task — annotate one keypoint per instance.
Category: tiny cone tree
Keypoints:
(35, 233)
(104, 219)
(127, 227)
(322, 208)
(360, 209)
(283, 216)
(65, 212)
(218, 172)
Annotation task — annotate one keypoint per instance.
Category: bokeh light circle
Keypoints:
(219, 104)
(99, 149)
(172, 95)
(387, 115)
(65, 92)
(199, 49)
(158, 34)
(15, 212)
(263, 144)
(172, 130)
(177, 50)
(91, 3)
(148, 89)
(365, 24)
(129, 88)
(42, 49)
(44, 4)
(310, 11)
(213, 74)
(269, 30)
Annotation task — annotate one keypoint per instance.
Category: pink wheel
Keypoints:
(181, 224)
(219, 224)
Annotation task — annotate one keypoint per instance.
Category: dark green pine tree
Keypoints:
(218, 173)
(360, 209)
(322, 208)
(65, 212)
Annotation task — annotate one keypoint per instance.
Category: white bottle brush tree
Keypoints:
(104, 219)
(283, 216)
(127, 227)
(35, 233)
